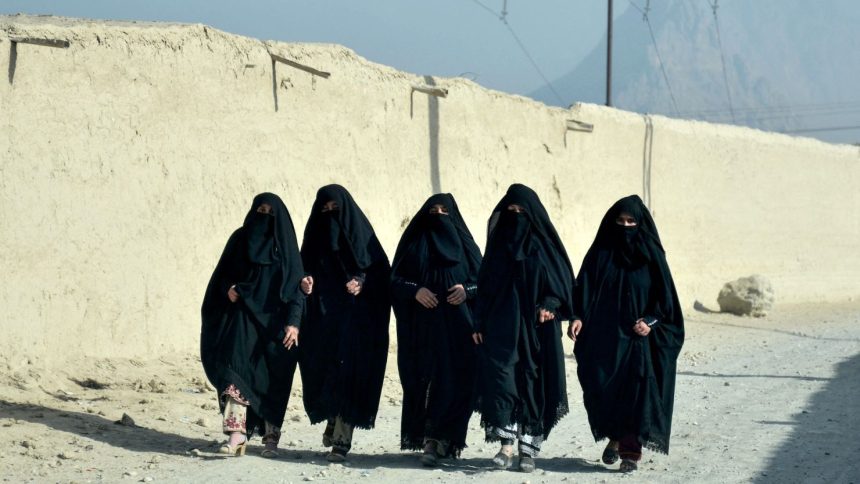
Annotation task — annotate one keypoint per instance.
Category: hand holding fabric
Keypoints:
(232, 294)
(478, 338)
(456, 294)
(545, 315)
(307, 285)
(426, 298)
(291, 338)
(353, 286)
(641, 327)
(574, 328)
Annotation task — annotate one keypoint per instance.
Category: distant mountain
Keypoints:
(791, 64)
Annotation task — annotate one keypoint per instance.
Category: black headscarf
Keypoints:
(628, 381)
(531, 231)
(270, 235)
(525, 267)
(435, 352)
(439, 240)
(327, 230)
(241, 343)
(345, 338)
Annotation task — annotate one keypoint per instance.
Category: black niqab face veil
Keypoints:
(446, 236)
(344, 228)
(442, 239)
(260, 228)
(270, 235)
(632, 245)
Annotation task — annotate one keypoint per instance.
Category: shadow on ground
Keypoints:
(136, 438)
(473, 466)
(826, 435)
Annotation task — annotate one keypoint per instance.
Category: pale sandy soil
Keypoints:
(758, 400)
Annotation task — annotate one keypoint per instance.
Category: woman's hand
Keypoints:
(574, 328)
(426, 298)
(456, 294)
(641, 328)
(544, 315)
(291, 338)
(478, 338)
(353, 287)
(232, 295)
(307, 285)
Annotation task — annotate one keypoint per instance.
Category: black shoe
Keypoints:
(610, 453)
(527, 464)
(429, 459)
(628, 465)
(336, 455)
(502, 461)
(431, 453)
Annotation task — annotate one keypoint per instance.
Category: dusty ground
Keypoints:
(758, 400)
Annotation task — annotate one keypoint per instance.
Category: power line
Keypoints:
(777, 108)
(531, 59)
(493, 12)
(722, 56)
(645, 12)
(834, 112)
(504, 20)
(814, 130)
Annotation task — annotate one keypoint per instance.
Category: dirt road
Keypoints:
(758, 400)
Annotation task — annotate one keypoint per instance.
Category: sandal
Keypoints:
(270, 452)
(237, 449)
(610, 453)
(628, 465)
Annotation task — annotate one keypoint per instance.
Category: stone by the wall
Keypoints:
(747, 296)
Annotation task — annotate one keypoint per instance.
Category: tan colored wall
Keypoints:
(127, 159)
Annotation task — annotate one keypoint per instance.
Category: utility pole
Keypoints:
(609, 54)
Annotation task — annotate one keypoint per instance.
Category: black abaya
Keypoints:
(241, 343)
(525, 268)
(435, 351)
(628, 381)
(344, 343)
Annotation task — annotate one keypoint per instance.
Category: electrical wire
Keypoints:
(503, 18)
(816, 130)
(714, 8)
(647, 20)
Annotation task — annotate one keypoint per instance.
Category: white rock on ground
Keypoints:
(747, 296)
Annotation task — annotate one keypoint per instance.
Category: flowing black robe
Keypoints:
(344, 342)
(628, 381)
(525, 268)
(241, 342)
(435, 351)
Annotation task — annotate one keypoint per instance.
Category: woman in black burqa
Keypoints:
(345, 333)
(434, 281)
(251, 315)
(525, 289)
(632, 332)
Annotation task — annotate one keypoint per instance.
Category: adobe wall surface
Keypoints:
(127, 159)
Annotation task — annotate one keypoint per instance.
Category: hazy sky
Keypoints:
(441, 37)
